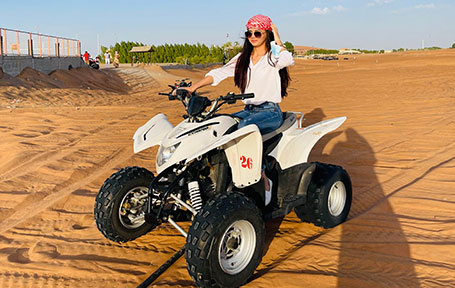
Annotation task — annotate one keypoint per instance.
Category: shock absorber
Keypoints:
(195, 195)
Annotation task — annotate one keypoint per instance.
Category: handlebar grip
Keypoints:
(246, 96)
(160, 93)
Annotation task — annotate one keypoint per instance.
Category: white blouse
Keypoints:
(265, 80)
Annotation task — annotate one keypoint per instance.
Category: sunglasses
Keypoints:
(256, 34)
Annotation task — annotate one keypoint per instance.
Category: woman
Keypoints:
(259, 70)
(256, 70)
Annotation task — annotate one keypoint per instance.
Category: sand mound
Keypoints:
(62, 87)
(8, 80)
(82, 78)
(4, 76)
(155, 68)
(36, 79)
(160, 75)
(87, 78)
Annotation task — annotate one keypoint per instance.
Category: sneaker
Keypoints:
(268, 193)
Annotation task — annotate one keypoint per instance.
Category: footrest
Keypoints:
(289, 202)
(290, 198)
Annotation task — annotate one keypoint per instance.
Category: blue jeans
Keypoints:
(267, 116)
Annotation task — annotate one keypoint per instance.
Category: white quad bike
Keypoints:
(209, 171)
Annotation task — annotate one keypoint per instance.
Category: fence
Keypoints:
(21, 43)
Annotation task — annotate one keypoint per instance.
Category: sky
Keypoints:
(370, 24)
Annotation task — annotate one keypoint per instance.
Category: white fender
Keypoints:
(244, 155)
(151, 133)
(296, 144)
(243, 150)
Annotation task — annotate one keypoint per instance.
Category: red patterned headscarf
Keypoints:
(259, 22)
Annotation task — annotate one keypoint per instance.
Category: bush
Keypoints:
(453, 45)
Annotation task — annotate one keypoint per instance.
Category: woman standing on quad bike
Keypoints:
(260, 68)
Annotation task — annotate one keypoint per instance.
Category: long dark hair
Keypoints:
(243, 63)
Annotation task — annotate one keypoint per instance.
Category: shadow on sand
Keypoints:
(365, 250)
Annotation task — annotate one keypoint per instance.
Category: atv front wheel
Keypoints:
(225, 242)
(120, 204)
(329, 197)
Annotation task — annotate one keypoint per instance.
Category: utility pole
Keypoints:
(97, 44)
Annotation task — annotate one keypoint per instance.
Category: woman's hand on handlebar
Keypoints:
(189, 89)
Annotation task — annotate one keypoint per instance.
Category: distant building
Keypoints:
(302, 50)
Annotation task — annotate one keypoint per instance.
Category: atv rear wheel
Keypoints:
(120, 204)
(225, 242)
(329, 197)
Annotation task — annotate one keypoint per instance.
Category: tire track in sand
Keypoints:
(368, 198)
(40, 160)
(56, 154)
(90, 175)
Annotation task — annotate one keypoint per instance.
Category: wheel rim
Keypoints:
(337, 198)
(131, 213)
(237, 247)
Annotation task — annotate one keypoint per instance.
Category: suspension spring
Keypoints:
(195, 195)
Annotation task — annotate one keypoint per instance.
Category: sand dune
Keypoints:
(64, 133)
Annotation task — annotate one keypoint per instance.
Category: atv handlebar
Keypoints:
(180, 94)
(232, 96)
(197, 111)
(229, 96)
(169, 95)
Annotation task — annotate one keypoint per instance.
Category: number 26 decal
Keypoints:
(246, 162)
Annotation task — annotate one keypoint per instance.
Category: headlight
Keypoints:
(164, 153)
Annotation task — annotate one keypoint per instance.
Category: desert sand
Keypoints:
(63, 134)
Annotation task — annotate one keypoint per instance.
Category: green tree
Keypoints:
(453, 45)
(289, 46)
(174, 53)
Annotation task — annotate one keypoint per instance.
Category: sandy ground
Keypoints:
(64, 134)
